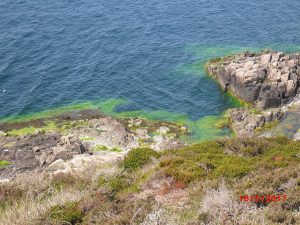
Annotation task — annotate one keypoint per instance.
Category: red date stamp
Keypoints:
(263, 198)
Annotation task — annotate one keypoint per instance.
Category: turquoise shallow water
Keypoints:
(149, 53)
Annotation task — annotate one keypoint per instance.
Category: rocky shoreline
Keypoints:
(84, 167)
(74, 139)
(268, 82)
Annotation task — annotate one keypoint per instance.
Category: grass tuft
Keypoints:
(69, 213)
(99, 148)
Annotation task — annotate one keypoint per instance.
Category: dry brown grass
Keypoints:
(29, 210)
(28, 197)
(110, 195)
(222, 207)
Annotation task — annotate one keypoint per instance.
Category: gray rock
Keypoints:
(268, 80)
(266, 58)
(163, 130)
(244, 123)
(297, 136)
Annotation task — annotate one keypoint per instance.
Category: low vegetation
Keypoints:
(46, 126)
(268, 126)
(69, 213)
(99, 148)
(198, 184)
(86, 139)
(4, 163)
(138, 157)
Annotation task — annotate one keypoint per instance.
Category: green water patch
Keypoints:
(50, 123)
(289, 125)
(284, 47)
(106, 106)
(206, 128)
(50, 112)
(235, 101)
(155, 116)
(50, 126)
(205, 52)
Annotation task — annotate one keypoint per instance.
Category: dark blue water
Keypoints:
(57, 52)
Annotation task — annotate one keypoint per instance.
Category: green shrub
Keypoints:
(205, 159)
(248, 146)
(254, 146)
(182, 169)
(118, 184)
(281, 156)
(138, 157)
(232, 168)
(210, 158)
(70, 213)
(4, 163)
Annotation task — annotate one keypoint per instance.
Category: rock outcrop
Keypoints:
(245, 123)
(74, 141)
(268, 80)
(38, 150)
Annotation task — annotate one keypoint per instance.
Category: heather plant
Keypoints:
(197, 184)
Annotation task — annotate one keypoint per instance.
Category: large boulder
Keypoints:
(268, 80)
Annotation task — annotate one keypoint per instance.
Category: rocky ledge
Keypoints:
(72, 140)
(267, 79)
